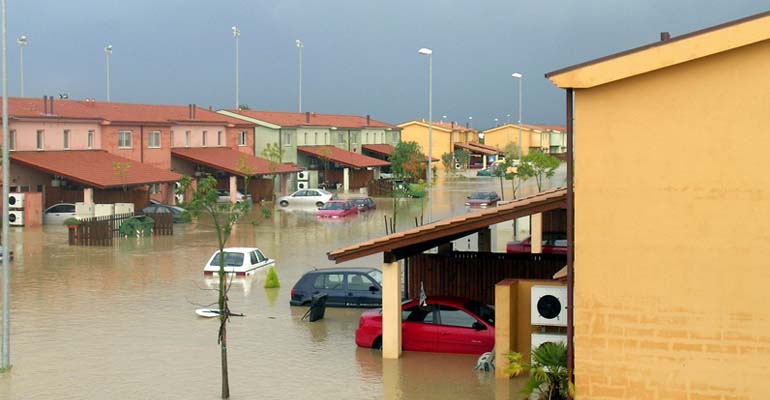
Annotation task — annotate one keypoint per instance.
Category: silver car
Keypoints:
(58, 213)
(306, 197)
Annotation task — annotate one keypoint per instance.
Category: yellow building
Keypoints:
(445, 135)
(548, 139)
(672, 234)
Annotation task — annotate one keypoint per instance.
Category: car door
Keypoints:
(461, 332)
(312, 197)
(300, 198)
(359, 290)
(333, 285)
(419, 329)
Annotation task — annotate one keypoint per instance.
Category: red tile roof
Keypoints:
(476, 149)
(287, 119)
(381, 149)
(229, 160)
(116, 112)
(343, 157)
(93, 168)
(485, 147)
(402, 244)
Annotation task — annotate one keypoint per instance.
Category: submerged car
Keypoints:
(482, 199)
(157, 208)
(352, 287)
(553, 243)
(337, 209)
(239, 261)
(58, 213)
(364, 204)
(224, 196)
(443, 325)
(305, 197)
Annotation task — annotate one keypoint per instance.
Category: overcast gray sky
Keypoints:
(360, 56)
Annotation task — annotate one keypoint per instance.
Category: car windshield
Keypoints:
(480, 196)
(377, 276)
(333, 206)
(231, 259)
(484, 312)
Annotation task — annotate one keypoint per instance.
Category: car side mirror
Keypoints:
(374, 289)
(478, 326)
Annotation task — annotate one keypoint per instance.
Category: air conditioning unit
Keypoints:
(16, 217)
(16, 200)
(302, 185)
(124, 208)
(538, 339)
(84, 210)
(457, 165)
(302, 175)
(549, 305)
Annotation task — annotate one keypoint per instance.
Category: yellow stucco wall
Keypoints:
(672, 232)
(501, 136)
(418, 133)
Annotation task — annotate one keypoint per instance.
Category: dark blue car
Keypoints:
(344, 287)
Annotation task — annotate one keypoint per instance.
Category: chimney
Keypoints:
(45, 104)
(664, 36)
(194, 108)
(468, 125)
(307, 117)
(368, 119)
(453, 125)
(189, 111)
(51, 104)
(210, 108)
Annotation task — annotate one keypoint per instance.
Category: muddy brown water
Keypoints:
(118, 322)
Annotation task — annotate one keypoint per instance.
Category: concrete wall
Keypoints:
(53, 135)
(671, 232)
(418, 133)
(263, 136)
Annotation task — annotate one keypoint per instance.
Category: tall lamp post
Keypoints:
(428, 52)
(108, 53)
(520, 77)
(300, 46)
(236, 35)
(5, 349)
(22, 41)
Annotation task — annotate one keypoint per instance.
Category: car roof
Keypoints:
(338, 269)
(239, 249)
(456, 300)
(60, 204)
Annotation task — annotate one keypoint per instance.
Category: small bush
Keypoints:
(272, 279)
(71, 221)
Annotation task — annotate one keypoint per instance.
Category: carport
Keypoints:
(412, 243)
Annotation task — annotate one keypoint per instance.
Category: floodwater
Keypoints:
(118, 322)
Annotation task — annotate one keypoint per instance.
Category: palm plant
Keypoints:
(549, 377)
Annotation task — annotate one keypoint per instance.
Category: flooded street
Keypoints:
(118, 322)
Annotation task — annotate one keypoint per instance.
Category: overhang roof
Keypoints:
(231, 161)
(386, 150)
(417, 240)
(485, 147)
(476, 149)
(662, 54)
(94, 168)
(343, 157)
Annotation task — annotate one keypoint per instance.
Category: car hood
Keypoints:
(330, 213)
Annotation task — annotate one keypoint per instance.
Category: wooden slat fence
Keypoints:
(474, 275)
(101, 231)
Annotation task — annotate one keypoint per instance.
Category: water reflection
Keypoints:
(119, 321)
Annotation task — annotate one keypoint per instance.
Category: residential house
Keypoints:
(671, 246)
(443, 137)
(545, 138)
(329, 146)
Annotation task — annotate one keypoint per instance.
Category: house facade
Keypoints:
(670, 246)
(545, 138)
(444, 136)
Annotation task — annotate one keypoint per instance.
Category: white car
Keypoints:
(306, 197)
(239, 261)
(58, 213)
(224, 196)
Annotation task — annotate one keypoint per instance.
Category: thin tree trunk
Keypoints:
(225, 378)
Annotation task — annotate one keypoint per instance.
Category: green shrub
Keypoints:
(71, 221)
(272, 279)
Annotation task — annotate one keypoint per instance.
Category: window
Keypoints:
(242, 138)
(287, 139)
(66, 139)
(354, 138)
(203, 137)
(253, 257)
(453, 317)
(154, 140)
(91, 139)
(12, 140)
(326, 138)
(418, 314)
(260, 257)
(305, 138)
(329, 281)
(316, 138)
(124, 139)
(172, 139)
(367, 138)
(155, 188)
(231, 259)
(187, 138)
(359, 282)
(219, 138)
(39, 139)
(340, 137)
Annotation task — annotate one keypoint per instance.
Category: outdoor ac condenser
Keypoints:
(16, 200)
(124, 208)
(104, 210)
(83, 210)
(549, 305)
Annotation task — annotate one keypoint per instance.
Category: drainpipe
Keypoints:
(348, 139)
(570, 239)
(141, 143)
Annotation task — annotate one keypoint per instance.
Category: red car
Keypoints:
(553, 243)
(337, 209)
(445, 325)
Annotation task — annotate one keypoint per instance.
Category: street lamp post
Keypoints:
(22, 41)
(520, 77)
(108, 53)
(5, 349)
(300, 46)
(236, 35)
(428, 52)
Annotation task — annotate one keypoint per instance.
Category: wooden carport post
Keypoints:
(391, 307)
